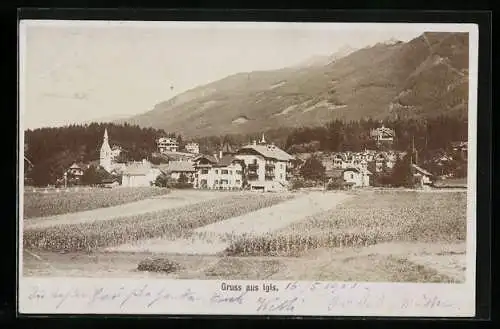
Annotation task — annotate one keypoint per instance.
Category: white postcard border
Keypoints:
(130, 296)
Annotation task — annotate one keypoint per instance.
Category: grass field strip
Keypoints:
(215, 238)
(173, 200)
(93, 235)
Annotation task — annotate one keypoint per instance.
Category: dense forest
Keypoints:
(52, 150)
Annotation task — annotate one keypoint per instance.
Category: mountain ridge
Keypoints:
(424, 77)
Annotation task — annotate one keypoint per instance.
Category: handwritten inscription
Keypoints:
(144, 294)
(278, 304)
(262, 298)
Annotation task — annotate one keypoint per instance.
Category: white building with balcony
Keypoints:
(193, 148)
(219, 173)
(266, 165)
(167, 144)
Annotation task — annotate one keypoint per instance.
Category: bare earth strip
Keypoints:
(209, 240)
(394, 261)
(388, 262)
(174, 199)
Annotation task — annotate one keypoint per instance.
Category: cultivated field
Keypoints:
(63, 201)
(405, 236)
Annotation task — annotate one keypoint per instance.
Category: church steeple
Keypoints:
(105, 156)
(263, 140)
(106, 136)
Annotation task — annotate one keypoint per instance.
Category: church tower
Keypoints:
(263, 140)
(105, 158)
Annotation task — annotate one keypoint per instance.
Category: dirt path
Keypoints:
(390, 262)
(176, 198)
(208, 240)
(395, 261)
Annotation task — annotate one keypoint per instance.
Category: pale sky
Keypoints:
(74, 72)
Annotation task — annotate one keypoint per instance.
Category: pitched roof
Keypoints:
(76, 166)
(179, 166)
(210, 158)
(268, 151)
(421, 170)
(136, 169)
(226, 160)
(332, 173)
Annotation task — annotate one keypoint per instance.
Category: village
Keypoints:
(342, 172)
(260, 165)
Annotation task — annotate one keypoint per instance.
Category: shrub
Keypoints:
(336, 184)
(158, 265)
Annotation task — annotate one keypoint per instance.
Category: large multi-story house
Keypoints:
(267, 166)
(218, 172)
(262, 166)
(380, 160)
(193, 148)
(167, 144)
(383, 135)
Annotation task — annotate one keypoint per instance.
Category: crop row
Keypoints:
(50, 204)
(366, 220)
(172, 222)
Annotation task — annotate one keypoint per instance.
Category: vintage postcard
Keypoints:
(243, 168)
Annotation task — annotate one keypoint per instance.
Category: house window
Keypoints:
(216, 181)
(216, 171)
(224, 172)
(352, 176)
(238, 182)
(239, 172)
(230, 172)
(204, 171)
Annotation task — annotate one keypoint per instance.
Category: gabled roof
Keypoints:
(76, 166)
(225, 161)
(421, 170)
(179, 166)
(351, 169)
(137, 169)
(334, 173)
(210, 158)
(382, 130)
(268, 151)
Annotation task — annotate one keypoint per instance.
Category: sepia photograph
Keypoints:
(249, 159)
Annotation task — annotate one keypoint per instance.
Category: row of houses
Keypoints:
(170, 144)
(258, 165)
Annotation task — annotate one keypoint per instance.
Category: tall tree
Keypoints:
(312, 169)
(402, 172)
